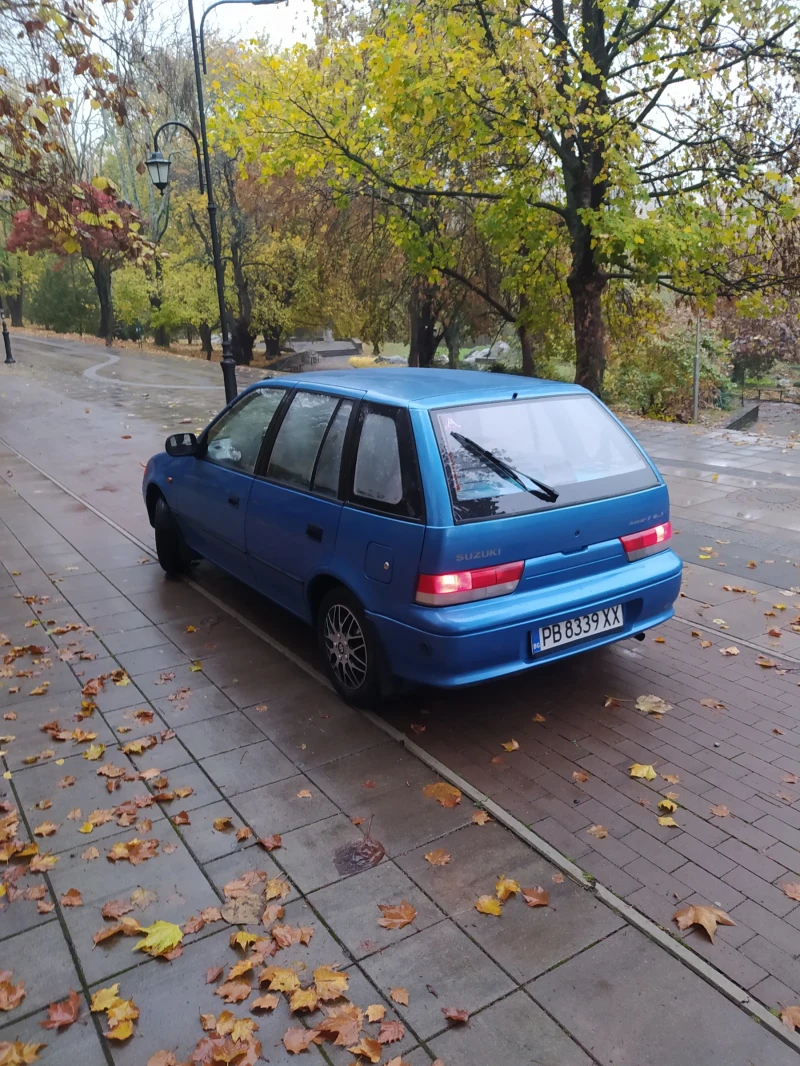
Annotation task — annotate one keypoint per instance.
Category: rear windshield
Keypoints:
(570, 444)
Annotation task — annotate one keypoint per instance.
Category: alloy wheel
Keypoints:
(345, 646)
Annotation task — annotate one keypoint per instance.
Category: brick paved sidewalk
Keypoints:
(566, 984)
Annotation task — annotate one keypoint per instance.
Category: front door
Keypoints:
(294, 506)
(213, 494)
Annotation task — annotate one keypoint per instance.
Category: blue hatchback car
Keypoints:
(436, 526)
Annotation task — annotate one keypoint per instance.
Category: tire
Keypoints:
(172, 554)
(350, 648)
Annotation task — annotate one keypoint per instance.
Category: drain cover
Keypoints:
(769, 499)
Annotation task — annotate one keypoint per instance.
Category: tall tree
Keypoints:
(651, 140)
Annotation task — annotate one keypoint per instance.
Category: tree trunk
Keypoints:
(161, 335)
(15, 308)
(422, 313)
(452, 338)
(586, 288)
(101, 272)
(190, 335)
(205, 338)
(242, 341)
(528, 355)
(272, 342)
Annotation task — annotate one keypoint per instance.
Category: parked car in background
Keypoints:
(436, 526)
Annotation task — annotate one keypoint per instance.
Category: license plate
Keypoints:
(571, 629)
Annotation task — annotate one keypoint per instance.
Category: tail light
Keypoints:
(440, 590)
(648, 542)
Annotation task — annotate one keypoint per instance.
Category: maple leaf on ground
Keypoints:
(557, 879)
(63, 1014)
(213, 973)
(672, 779)
(391, 1031)
(580, 776)
(11, 995)
(598, 831)
(792, 889)
(489, 905)
(105, 998)
(399, 995)
(273, 912)
(143, 897)
(439, 857)
(303, 999)
(367, 1047)
(343, 1022)
(72, 898)
(115, 908)
(396, 915)
(511, 745)
(480, 818)
(234, 991)
(448, 795)
(720, 810)
(161, 937)
(716, 705)
(790, 1016)
(536, 897)
(329, 983)
(222, 825)
(266, 1002)
(652, 705)
(297, 1040)
(281, 979)
(375, 1012)
(506, 887)
(456, 1016)
(642, 770)
(271, 842)
(700, 914)
(668, 821)
(162, 1058)
(19, 1054)
(669, 805)
(46, 829)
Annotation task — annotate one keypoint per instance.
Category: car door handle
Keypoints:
(233, 500)
(313, 531)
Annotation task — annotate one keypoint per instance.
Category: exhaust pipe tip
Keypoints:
(638, 636)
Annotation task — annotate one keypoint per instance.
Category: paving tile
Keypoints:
(711, 888)
(350, 907)
(755, 888)
(659, 854)
(697, 852)
(230, 867)
(133, 639)
(385, 767)
(79, 1044)
(768, 925)
(159, 657)
(625, 1020)
(307, 853)
(248, 767)
(206, 842)
(277, 808)
(773, 961)
(18, 914)
(515, 1030)
(404, 819)
(196, 704)
(658, 880)
(23, 955)
(219, 734)
(447, 960)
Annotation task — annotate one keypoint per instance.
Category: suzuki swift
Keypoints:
(436, 526)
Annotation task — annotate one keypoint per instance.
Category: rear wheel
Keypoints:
(350, 647)
(171, 551)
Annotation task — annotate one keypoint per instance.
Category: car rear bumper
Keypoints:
(463, 645)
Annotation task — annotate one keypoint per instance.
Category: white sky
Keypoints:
(285, 23)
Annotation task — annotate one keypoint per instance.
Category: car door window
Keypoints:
(294, 453)
(386, 476)
(235, 439)
(326, 476)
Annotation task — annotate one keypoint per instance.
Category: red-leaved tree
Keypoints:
(104, 229)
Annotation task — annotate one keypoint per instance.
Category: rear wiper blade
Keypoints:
(547, 494)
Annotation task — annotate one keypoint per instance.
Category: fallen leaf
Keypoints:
(539, 719)
(580, 776)
(790, 1016)
(706, 643)
(223, 824)
(105, 998)
(652, 705)
(46, 829)
(643, 771)
(367, 1047)
(396, 915)
(720, 810)
(213, 973)
(700, 914)
(161, 937)
(668, 805)
(303, 999)
(399, 995)
(453, 1014)
(181, 818)
(557, 879)
(72, 898)
(329, 983)
(90, 854)
(297, 1040)
(598, 831)
(668, 821)
(792, 890)
(729, 651)
(536, 897)
(265, 1002)
(244, 833)
(63, 1014)
(506, 887)
(162, 1058)
(480, 818)
(448, 795)
(439, 857)
(717, 705)
(271, 842)
(511, 745)
(11, 995)
(234, 991)
(143, 897)
(489, 905)
(375, 1012)
(789, 779)
(673, 779)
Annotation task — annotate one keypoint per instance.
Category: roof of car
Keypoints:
(429, 387)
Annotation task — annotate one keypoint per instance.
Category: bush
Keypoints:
(656, 379)
(65, 298)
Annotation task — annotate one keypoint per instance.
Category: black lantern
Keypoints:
(159, 166)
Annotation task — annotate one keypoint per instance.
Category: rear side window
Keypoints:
(570, 444)
(385, 472)
(326, 476)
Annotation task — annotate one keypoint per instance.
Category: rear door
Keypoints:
(570, 442)
(383, 521)
(294, 506)
(212, 495)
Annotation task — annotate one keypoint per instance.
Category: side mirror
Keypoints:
(181, 444)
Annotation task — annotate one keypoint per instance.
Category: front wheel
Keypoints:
(350, 648)
(172, 554)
